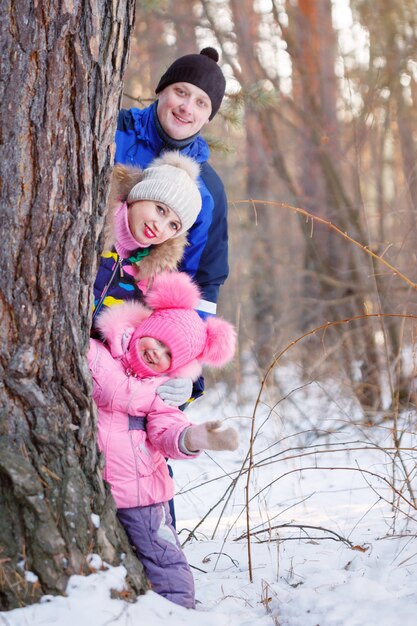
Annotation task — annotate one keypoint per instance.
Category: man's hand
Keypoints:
(175, 391)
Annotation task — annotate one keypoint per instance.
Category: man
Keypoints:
(189, 95)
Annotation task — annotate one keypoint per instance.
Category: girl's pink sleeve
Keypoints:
(164, 427)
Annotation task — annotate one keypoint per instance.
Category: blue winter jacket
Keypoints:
(139, 140)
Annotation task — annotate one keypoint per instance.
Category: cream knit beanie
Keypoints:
(171, 179)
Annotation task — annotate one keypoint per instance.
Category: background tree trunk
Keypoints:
(61, 83)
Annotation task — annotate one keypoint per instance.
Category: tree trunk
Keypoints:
(61, 82)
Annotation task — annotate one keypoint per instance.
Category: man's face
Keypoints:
(183, 110)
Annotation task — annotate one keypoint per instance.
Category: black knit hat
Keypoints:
(200, 70)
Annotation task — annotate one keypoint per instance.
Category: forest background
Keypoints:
(320, 116)
(316, 143)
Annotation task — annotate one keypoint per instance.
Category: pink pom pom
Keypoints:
(221, 342)
(173, 290)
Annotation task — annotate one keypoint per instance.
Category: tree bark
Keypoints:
(62, 70)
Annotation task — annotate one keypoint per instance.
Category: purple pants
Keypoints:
(150, 530)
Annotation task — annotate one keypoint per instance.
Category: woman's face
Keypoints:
(154, 354)
(183, 110)
(152, 223)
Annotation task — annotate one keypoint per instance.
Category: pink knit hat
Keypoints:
(174, 321)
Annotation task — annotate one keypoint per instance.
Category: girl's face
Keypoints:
(154, 354)
(183, 110)
(152, 223)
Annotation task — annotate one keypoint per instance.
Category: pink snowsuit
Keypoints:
(136, 468)
(135, 459)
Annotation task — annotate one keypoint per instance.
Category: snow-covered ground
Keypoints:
(335, 529)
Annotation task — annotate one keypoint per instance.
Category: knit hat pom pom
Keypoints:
(173, 291)
(211, 53)
(176, 159)
(220, 344)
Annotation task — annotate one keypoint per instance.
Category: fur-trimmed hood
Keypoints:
(165, 256)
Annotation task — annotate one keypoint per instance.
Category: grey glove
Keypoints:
(175, 391)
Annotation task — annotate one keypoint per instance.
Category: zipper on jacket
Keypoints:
(107, 287)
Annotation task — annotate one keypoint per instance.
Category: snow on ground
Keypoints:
(328, 499)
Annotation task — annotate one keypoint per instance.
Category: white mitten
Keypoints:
(175, 391)
(208, 436)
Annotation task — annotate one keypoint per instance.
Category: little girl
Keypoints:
(137, 430)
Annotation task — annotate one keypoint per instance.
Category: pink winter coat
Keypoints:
(135, 464)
